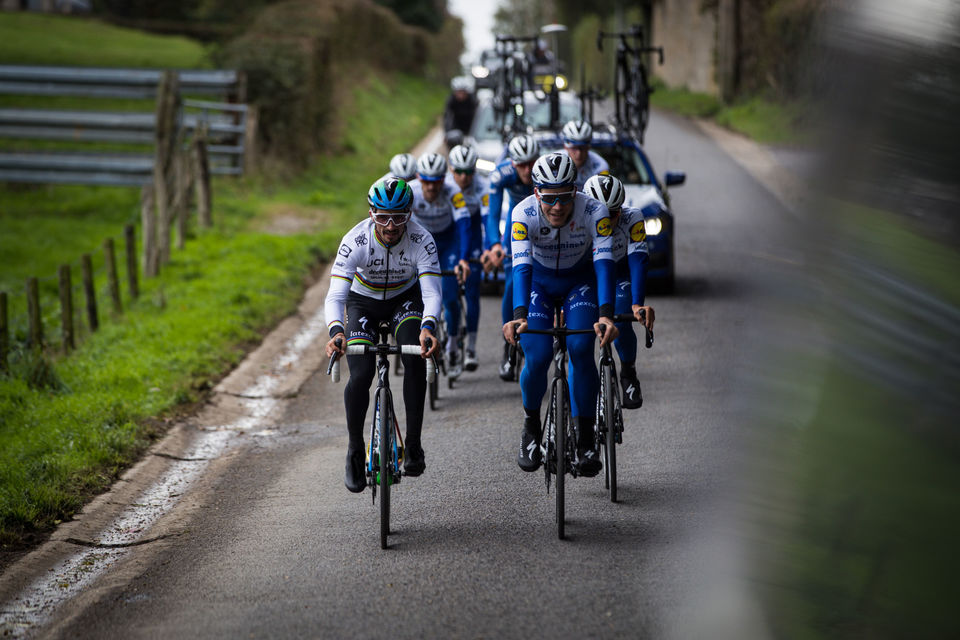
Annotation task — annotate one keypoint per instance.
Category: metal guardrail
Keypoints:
(224, 123)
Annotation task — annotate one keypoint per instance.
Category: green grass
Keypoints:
(684, 102)
(68, 426)
(29, 38)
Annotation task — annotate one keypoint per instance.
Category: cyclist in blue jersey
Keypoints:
(562, 252)
(463, 167)
(442, 210)
(577, 135)
(386, 269)
(512, 176)
(631, 257)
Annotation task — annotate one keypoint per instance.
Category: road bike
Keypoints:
(631, 84)
(385, 452)
(609, 422)
(558, 443)
(512, 82)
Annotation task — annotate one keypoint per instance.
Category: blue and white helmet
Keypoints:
(577, 132)
(554, 170)
(390, 194)
(606, 189)
(523, 148)
(431, 167)
(404, 166)
(463, 157)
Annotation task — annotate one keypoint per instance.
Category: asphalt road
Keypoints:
(272, 544)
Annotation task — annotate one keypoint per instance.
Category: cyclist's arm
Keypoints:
(428, 273)
(637, 256)
(603, 167)
(461, 218)
(522, 265)
(603, 264)
(491, 222)
(341, 277)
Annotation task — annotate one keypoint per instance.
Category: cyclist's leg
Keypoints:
(360, 329)
(406, 330)
(533, 379)
(446, 251)
(581, 311)
(473, 306)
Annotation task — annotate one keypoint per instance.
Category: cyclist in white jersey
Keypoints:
(442, 210)
(577, 135)
(386, 269)
(475, 190)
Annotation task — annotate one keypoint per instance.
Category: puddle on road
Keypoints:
(35, 605)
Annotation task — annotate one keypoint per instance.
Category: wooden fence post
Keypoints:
(90, 292)
(113, 283)
(148, 218)
(4, 332)
(130, 239)
(66, 307)
(168, 107)
(201, 172)
(250, 149)
(33, 312)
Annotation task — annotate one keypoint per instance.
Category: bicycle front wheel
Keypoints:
(558, 404)
(610, 442)
(386, 458)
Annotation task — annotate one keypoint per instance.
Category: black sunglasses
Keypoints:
(463, 172)
(551, 199)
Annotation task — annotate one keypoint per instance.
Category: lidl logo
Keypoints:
(604, 228)
(458, 200)
(519, 231)
(638, 232)
(485, 199)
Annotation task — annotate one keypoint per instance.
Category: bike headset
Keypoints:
(404, 166)
(577, 133)
(431, 167)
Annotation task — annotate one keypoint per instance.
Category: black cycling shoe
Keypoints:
(355, 476)
(529, 458)
(506, 365)
(588, 463)
(413, 463)
(632, 398)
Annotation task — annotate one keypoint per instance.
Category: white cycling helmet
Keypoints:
(606, 189)
(460, 83)
(577, 132)
(432, 167)
(554, 170)
(403, 165)
(463, 157)
(523, 148)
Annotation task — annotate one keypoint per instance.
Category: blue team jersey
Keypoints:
(503, 178)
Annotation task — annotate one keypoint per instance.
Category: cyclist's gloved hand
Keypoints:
(463, 271)
(647, 317)
(426, 352)
(512, 329)
(609, 333)
(336, 345)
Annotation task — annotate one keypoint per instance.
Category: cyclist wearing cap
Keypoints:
(403, 166)
(562, 252)
(386, 269)
(631, 257)
(463, 163)
(577, 135)
(512, 176)
(442, 210)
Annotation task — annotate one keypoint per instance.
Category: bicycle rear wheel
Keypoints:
(386, 458)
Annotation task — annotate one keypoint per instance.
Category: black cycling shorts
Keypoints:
(364, 315)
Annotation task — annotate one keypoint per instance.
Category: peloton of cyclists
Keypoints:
(631, 257)
(514, 177)
(442, 210)
(386, 269)
(562, 246)
(463, 166)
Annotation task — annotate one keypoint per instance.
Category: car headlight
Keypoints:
(653, 226)
(486, 165)
(480, 71)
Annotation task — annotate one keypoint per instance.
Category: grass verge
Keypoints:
(68, 426)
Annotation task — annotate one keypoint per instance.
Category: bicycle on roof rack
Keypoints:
(631, 81)
(512, 83)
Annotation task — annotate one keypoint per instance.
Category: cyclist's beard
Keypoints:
(392, 236)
